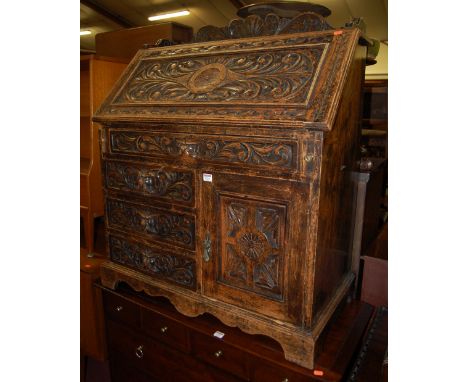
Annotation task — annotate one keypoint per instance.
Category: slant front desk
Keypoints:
(227, 166)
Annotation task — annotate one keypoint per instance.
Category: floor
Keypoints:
(96, 371)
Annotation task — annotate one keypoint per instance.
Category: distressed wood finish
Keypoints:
(227, 175)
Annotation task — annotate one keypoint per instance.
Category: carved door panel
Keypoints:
(250, 254)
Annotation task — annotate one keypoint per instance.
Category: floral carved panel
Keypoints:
(252, 248)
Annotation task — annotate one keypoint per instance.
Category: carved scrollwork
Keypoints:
(255, 77)
(161, 225)
(174, 185)
(179, 270)
(199, 147)
(271, 24)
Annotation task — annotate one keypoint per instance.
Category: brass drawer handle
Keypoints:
(207, 248)
(218, 353)
(139, 351)
(119, 308)
(308, 158)
(285, 380)
(164, 329)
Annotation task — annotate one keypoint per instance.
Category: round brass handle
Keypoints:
(285, 380)
(218, 354)
(164, 329)
(119, 308)
(139, 351)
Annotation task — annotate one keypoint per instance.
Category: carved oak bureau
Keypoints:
(226, 167)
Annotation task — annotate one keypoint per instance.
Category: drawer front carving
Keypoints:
(219, 354)
(249, 151)
(172, 185)
(161, 225)
(121, 310)
(252, 235)
(166, 266)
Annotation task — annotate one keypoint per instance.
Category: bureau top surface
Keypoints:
(286, 81)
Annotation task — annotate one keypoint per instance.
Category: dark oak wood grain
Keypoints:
(254, 140)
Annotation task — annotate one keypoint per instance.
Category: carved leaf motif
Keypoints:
(267, 221)
(159, 182)
(266, 274)
(251, 76)
(170, 227)
(174, 268)
(274, 154)
(236, 265)
(236, 218)
(271, 24)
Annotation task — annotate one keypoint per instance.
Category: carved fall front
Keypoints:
(285, 76)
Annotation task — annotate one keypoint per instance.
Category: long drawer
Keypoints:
(254, 152)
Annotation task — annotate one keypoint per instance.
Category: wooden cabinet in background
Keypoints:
(227, 169)
(125, 43)
(92, 334)
(97, 75)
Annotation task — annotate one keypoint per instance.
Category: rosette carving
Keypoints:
(253, 249)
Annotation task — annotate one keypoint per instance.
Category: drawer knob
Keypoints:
(119, 308)
(164, 329)
(139, 351)
(285, 380)
(218, 353)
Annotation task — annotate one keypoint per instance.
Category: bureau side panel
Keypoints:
(340, 155)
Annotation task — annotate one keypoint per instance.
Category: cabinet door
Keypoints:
(255, 243)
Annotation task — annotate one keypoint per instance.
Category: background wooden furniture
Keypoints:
(150, 341)
(92, 334)
(227, 175)
(97, 75)
(374, 289)
(375, 119)
(125, 43)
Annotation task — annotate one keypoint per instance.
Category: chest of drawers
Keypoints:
(148, 340)
(227, 178)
